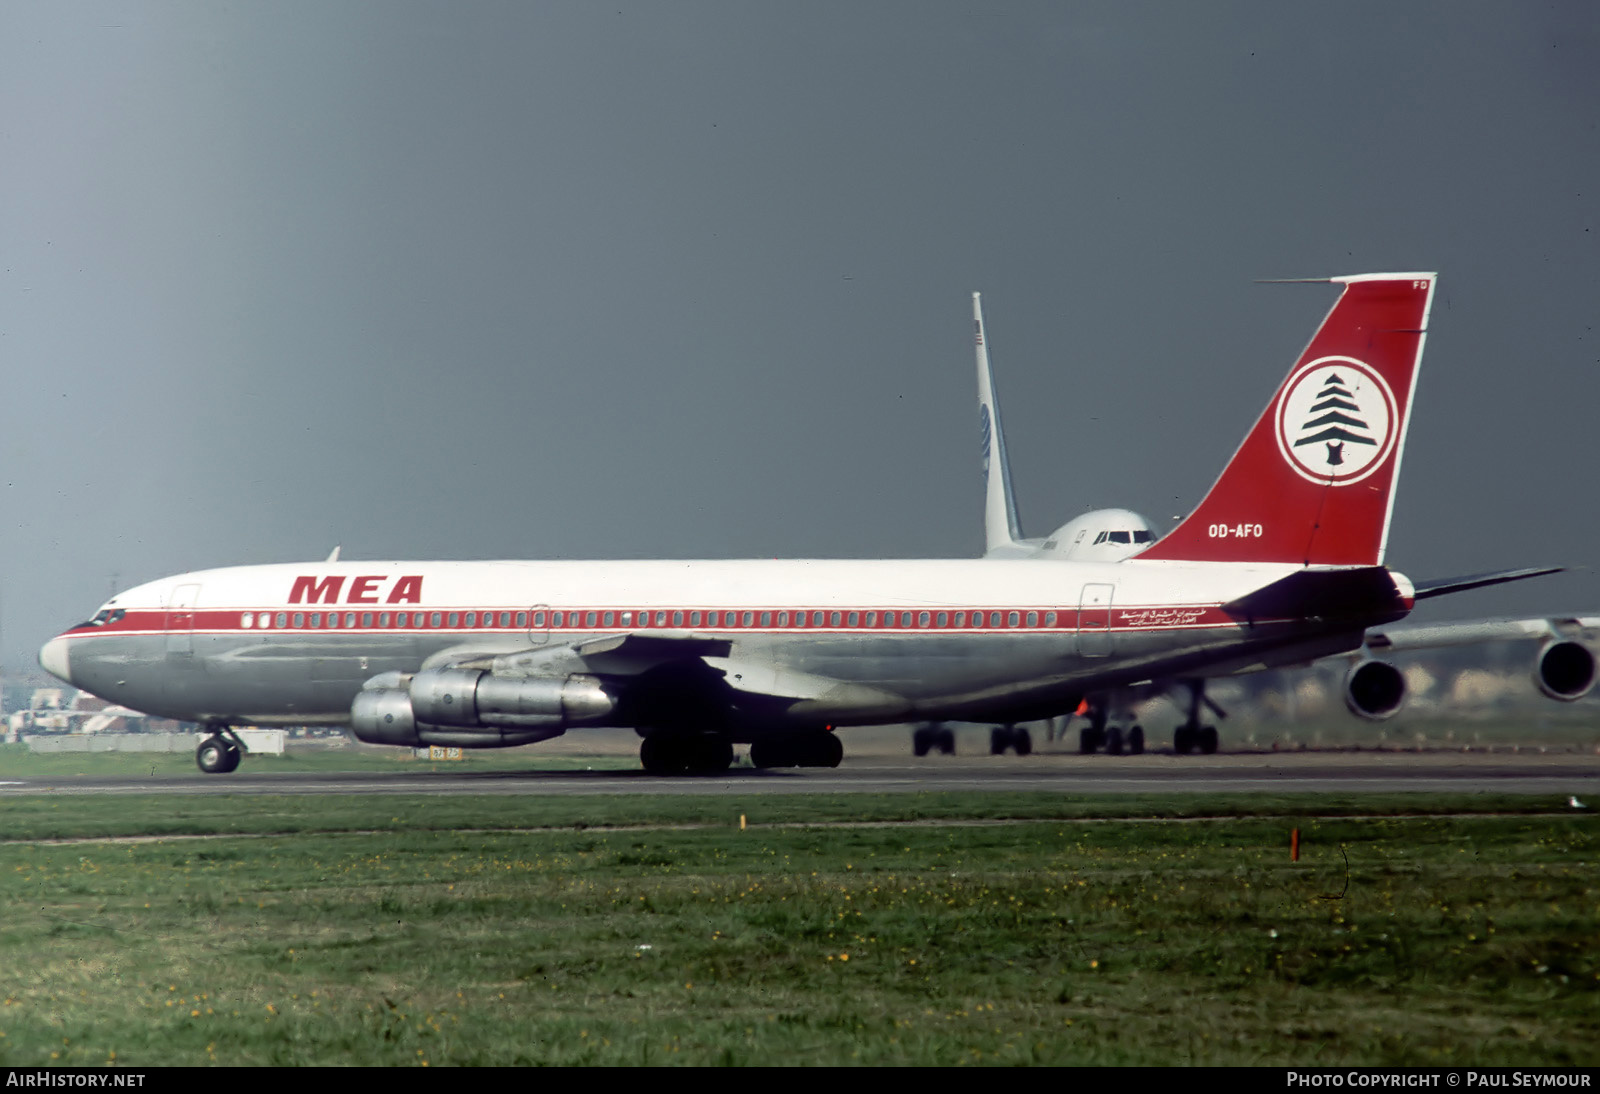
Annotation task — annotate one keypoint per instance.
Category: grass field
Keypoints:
(873, 929)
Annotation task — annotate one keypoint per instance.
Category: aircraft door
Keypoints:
(539, 624)
(180, 620)
(1094, 621)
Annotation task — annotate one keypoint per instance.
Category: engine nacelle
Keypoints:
(1374, 690)
(1564, 670)
(385, 715)
(475, 709)
(382, 716)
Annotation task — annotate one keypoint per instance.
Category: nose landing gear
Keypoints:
(219, 753)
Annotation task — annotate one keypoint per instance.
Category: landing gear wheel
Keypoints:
(1183, 741)
(1136, 741)
(921, 742)
(1114, 741)
(1022, 741)
(999, 740)
(1208, 740)
(1089, 740)
(946, 742)
(216, 756)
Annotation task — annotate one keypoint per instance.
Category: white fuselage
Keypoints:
(798, 642)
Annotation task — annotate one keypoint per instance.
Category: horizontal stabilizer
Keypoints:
(1426, 589)
(1359, 593)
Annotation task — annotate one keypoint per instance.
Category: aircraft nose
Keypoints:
(55, 660)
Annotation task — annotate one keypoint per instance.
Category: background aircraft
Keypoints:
(1563, 666)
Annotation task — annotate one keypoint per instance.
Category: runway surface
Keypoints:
(1558, 775)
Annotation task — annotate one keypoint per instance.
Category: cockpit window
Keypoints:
(1101, 538)
(104, 616)
(1144, 537)
(1121, 537)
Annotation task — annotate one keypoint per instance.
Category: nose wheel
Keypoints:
(217, 754)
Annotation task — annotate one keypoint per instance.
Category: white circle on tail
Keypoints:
(1337, 421)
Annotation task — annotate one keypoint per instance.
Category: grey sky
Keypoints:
(689, 279)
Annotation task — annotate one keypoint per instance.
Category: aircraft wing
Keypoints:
(1403, 637)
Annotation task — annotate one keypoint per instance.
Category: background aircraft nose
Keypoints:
(54, 659)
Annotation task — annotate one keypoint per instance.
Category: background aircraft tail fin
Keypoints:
(1313, 482)
(1000, 525)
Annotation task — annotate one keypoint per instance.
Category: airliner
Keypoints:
(1564, 666)
(1281, 563)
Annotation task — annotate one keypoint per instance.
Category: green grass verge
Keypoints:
(1445, 939)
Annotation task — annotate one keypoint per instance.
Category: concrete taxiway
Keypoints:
(1558, 775)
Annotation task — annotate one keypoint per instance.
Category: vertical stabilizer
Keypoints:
(1313, 482)
(1000, 526)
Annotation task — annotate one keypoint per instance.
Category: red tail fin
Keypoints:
(1314, 480)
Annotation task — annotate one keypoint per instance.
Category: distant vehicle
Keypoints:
(1282, 562)
(1563, 668)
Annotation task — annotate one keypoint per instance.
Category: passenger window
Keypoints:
(677, 619)
(872, 619)
(799, 619)
(472, 619)
(1011, 619)
(748, 618)
(783, 619)
(316, 620)
(905, 619)
(713, 619)
(610, 619)
(942, 619)
(766, 619)
(283, 618)
(433, 619)
(833, 619)
(538, 619)
(961, 619)
(1033, 619)
(588, 619)
(854, 619)
(299, 619)
(264, 619)
(994, 619)
(366, 619)
(1049, 619)
(247, 620)
(922, 619)
(383, 619)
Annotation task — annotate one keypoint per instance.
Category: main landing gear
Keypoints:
(1192, 736)
(685, 753)
(933, 737)
(1100, 734)
(1016, 738)
(219, 753)
(680, 753)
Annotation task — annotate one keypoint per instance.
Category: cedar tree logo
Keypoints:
(1337, 421)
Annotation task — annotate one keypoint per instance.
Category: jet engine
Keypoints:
(1564, 670)
(475, 709)
(1374, 690)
